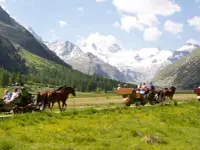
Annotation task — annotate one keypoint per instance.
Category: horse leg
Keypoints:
(59, 105)
(63, 104)
(49, 105)
(53, 104)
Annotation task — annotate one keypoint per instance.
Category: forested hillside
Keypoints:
(184, 74)
(52, 76)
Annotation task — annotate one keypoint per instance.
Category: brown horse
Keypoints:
(162, 94)
(60, 95)
(169, 92)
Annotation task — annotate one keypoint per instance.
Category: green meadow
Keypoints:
(170, 127)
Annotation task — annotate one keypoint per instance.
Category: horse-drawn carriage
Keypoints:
(197, 91)
(25, 102)
(131, 96)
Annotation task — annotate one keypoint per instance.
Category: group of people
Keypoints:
(10, 97)
(142, 88)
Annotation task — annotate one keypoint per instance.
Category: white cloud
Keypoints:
(116, 24)
(148, 19)
(62, 24)
(195, 21)
(2, 1)
(152, 34)
(143, 13)
(80, 9)
(98, 1)
(101, 41)
(156, 7)
(128, 23)
(193, 41)
(140, 22)
(173, 27)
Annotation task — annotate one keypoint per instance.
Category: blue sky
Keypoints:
(171, 22)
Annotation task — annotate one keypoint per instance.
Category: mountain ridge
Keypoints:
(184, 73)
(137, 66)
(17, 34)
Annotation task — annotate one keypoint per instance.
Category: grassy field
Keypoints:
(170, 127)
(167, 127)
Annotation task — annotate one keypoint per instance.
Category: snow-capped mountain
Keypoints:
(65, 50)
(185, 50)
(85, 62)
(133, 66)
(189, 47)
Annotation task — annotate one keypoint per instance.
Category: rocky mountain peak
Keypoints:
(5, 17)
(191, 44)
(114, 48)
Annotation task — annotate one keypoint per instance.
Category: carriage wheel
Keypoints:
(152, 102)
(128, 104)
(17, 111)
(143, 102)
(137, 103)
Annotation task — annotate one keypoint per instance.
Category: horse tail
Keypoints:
(38, 95)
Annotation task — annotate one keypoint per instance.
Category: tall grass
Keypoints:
(157, 127)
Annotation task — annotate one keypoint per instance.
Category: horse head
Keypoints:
(173, 89)
(69, 90)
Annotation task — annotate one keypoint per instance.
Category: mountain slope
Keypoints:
(184, 73)
(35, 34)
(10, 58)
(17, 34)
(85, 62)
(90, 64)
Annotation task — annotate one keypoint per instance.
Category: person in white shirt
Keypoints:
(118, 86)
(15, 94)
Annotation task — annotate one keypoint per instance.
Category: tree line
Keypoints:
(58, 77)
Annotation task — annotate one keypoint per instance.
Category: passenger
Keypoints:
(144, 89)
(7, 95)
(125, 85)
(144, 86)
(119, 86)
(15, 94)
(139, 86)
(151, 86)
